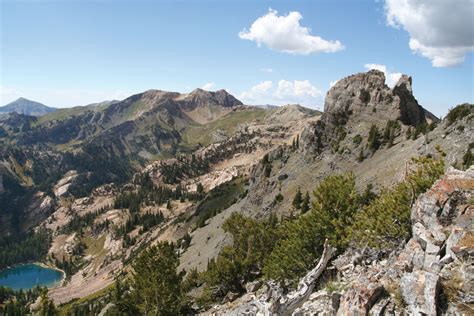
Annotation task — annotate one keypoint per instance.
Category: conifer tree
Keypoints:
(297, 200)
(385, 221)
(373, 142)
(361, 156)
(200, 191)
(267, 170)
(335, 201)
(47, 305)
(305, 205)
(156, 283)
(243, 261)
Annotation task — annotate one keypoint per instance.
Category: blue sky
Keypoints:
(66, 53)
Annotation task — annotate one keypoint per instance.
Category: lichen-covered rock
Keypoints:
(443, 226)
(420, 291)
(360, 298)
(433, 273)
(320, 303)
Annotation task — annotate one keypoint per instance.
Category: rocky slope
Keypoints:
(101, 143)
(431, 274)
(316, 158)
(339, 142)
(238, 158)
(229, 162)
(155, 115)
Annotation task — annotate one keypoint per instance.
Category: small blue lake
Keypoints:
(27, 276)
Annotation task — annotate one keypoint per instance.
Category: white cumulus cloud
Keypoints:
(285, 34)
(257, 92)
(298, 89)
(285, 92)
(391, 78)
(208, 86)
(332, 83)
(441, 30)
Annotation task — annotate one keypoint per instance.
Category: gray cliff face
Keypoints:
(365, 95)
(411, 113)
(356, 103)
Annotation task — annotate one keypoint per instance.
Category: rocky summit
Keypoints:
(363, 94)
(195, 203)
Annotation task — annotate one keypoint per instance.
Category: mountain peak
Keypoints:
(27, 107)
(201, 98)
(366, 94)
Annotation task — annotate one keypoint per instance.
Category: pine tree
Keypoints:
(335, 202)
(155, 281)
(297, 200)
(306, 203)
(267, 170)
(373, 225)
(468, 158)
(200, 191)
(361, 156)
(47, 305)
(373, 142)
(243, 261)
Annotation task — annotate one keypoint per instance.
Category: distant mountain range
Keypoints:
(102, 182)
(27, 107)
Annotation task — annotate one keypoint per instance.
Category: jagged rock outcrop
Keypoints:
(357, 102)
(432, 274)
(362, 94)
(411, 113)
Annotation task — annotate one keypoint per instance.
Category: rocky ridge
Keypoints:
(435, 263)
(357, 102)
(237, 155)
(306, 166)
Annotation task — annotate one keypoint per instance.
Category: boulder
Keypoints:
(360, 298)
(420, 290)
(320, 303)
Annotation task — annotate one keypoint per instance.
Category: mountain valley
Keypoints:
(102, 184)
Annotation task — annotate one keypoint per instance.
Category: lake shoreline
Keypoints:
(48, 266)
(55, 284)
